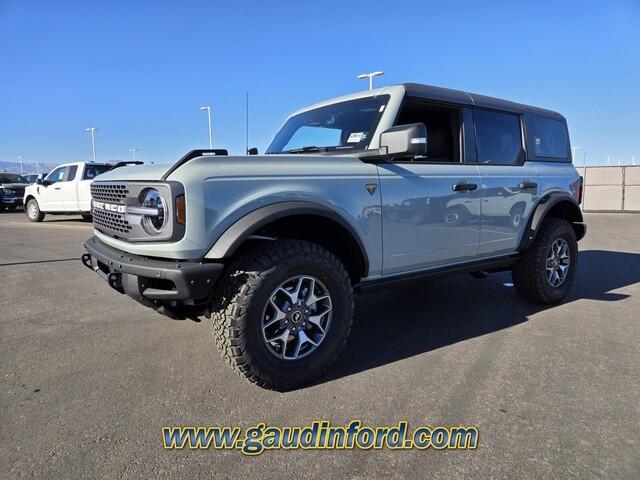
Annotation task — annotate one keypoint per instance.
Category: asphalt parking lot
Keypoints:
(89, 377)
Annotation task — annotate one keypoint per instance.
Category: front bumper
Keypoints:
(151, 280)
(9, 200)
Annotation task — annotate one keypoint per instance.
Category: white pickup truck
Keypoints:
(65, 190)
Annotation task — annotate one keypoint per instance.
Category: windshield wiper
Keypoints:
(311, 148)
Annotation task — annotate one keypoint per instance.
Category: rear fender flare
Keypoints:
(543, 208)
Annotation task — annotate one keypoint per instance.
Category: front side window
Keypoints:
(498, 138)
(550, 137)
(56, 176)
(443, 129)
(345, 126)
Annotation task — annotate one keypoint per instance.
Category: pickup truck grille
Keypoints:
(110, 193)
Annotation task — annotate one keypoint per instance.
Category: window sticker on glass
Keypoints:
(356, 137)
(381, 109)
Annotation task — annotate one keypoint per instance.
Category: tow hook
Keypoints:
(115, 281)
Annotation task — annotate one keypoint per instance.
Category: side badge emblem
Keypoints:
(371, 187)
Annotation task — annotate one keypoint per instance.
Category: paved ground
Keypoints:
(88, 377)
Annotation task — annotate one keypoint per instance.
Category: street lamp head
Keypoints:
(90, 129)
(205, 107)
(377, 73)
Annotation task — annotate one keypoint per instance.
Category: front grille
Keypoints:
(110, 222)
(110, 193)
(113, 222)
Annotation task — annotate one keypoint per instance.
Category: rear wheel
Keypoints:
(546, 271)
(283, 313)
(33, 211)
(86, 217)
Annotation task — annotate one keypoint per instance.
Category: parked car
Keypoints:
(354, 195)
(63, 191)
(31, 177)
(11, 190)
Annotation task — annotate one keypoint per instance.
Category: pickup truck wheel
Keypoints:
(546, 271)
(87, 217)
(33, 211)
(283, 313)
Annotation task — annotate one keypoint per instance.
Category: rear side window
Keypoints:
(550, 137)
(71, 173)
(92, 171)
(498, 138)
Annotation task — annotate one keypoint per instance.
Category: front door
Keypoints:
(430, 214)
(50, 195)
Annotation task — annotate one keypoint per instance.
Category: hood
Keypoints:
(13, 186)
(135, 173)
(228, 165)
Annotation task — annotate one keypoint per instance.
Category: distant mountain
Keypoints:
(28, 167)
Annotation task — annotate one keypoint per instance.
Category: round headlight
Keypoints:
(151, 198)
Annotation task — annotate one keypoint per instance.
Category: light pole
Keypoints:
(370, 77)
(93, 140)
(573, 152)
(133, 152)
(20, 160)
(208, 110)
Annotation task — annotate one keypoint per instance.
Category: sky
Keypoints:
(139, 70)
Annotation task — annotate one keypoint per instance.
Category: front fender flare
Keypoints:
(227, 244)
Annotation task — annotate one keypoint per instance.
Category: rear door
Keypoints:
(509, 184)
(69, 187)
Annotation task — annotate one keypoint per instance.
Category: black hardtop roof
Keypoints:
(429, 92)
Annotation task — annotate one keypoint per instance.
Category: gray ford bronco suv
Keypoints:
(355, 194)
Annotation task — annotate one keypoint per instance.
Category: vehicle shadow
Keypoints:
(406, 321)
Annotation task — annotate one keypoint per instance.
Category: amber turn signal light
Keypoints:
(181, 214)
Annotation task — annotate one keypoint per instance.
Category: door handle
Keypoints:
(526, 185)
(56, 188)
(464, 187)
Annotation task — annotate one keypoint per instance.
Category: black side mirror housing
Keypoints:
(39, 181)
(252, 151)
(404, 140)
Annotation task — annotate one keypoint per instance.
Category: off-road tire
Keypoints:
(32, 210)
(240, 299)
(529, 274)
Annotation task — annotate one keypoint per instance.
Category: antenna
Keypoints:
(246, 151)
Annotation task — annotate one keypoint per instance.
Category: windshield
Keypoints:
(12, 178)
(345, 126)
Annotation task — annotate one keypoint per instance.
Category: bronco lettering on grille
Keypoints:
(110, 207)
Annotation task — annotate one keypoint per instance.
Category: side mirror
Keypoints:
(252, 151)
(39, 180)
(404, 140)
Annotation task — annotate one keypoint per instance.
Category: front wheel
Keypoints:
(283, 313)
(546, 271)
(33, 211)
